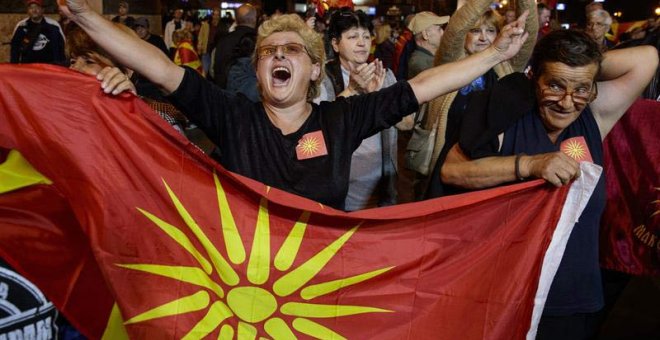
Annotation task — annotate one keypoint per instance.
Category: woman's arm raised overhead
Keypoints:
(130, 51)
(519, 61)
(445, 78)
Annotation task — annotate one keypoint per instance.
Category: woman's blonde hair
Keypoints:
(313, 44)
(181, 35)
(491, 18)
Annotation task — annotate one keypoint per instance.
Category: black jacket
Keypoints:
(230, 47)
(41, 42)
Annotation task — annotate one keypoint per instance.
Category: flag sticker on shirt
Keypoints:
(311, 145)
(577, 149)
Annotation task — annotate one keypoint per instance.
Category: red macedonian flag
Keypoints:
(630, 227)
(133, 232)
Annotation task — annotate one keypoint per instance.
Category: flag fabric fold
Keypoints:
(630, 227)
(140, 232)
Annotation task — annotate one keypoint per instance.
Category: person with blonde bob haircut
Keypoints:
(312, 41)
(286, 141)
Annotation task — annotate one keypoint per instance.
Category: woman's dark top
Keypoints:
(252, 146)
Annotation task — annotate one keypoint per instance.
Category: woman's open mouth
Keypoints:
(281, 76)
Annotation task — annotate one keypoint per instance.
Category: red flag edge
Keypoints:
(578, 196)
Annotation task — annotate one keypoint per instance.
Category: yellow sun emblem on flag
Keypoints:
(248, 301)
(575, 150)
(309, 145)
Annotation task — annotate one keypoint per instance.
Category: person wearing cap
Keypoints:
(428, 30)
(141, 27)
(123, 17)
(471, 29)
(37, 39)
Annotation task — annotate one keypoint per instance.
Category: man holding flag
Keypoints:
(549, 131)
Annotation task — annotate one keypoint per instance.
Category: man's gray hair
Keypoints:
(600, 13)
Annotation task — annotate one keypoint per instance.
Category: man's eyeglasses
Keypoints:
(288, 49)
(580, 95)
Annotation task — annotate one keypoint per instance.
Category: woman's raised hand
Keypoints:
(512, 37)
(71, 8)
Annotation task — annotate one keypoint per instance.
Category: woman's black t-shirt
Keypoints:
(252, 146)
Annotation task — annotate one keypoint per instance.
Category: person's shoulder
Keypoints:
(415, 56)
(21, 23)
(242, 65)
(245, 29)
(18, 31)
(239, 32)
(52, 22)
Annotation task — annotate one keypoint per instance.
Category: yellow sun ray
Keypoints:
(246, 331)
(16, 172)
(278, 329)
(217, 313)
(289, 250)
(259, 263)
(114, 329)
(311, 310)
(298, 277)
(321, 289)
(309, 146)
(232, 237)
(192, 275)
(575, 150)
(226, 272)
(250, 306)
(226, 333)
(180, 238)
(186, 304)
(312, 328)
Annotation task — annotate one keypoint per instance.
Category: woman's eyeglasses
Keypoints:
(288, 49)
